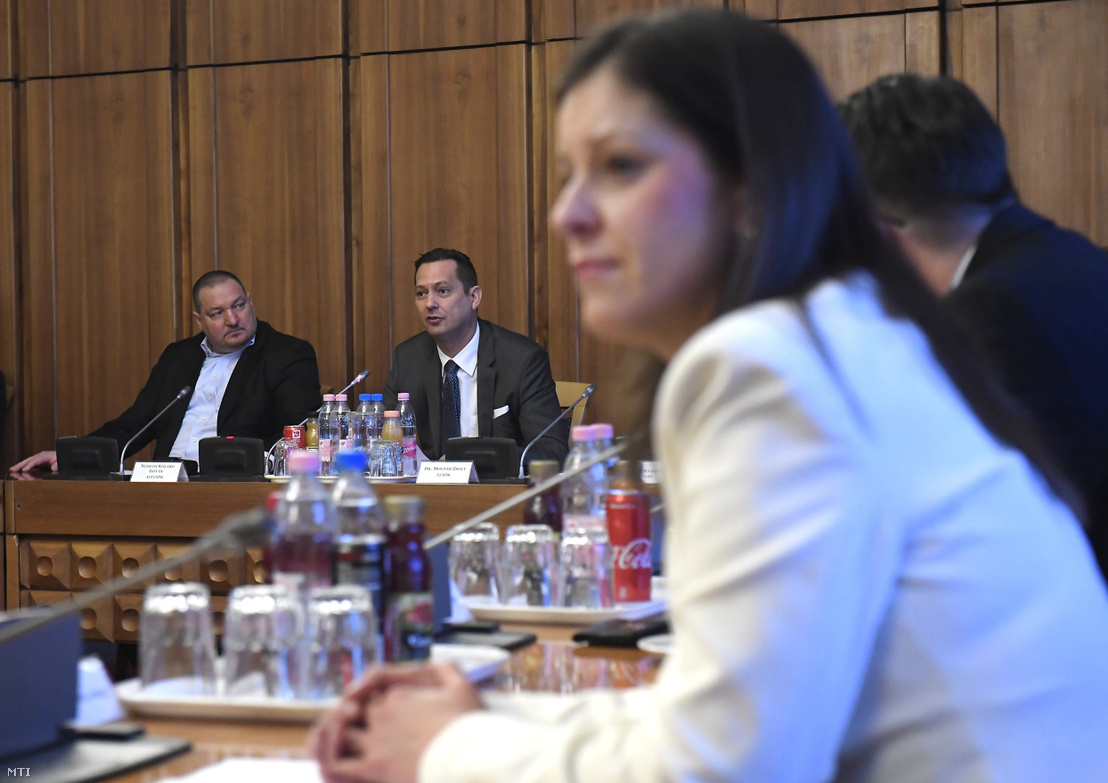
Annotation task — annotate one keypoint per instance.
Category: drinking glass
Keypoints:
(474, 561)
(529, 566)
(341, 638)
(586, 568)
(262, 632)
(176, 640)
(384, 458)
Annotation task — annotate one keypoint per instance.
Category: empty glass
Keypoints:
(263, 629)
(586, 568)
(384, 458)
(474, 560)
(341, 638)
(529, 566)
(176, 641)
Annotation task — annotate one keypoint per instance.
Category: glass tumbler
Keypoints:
(342, 634)
(529, 566)
(586, 569)
(474, 562)
(176, 640)
(263, 629)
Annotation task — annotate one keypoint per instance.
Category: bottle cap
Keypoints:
(271, 500)
(404, 509)
(604, 431)
(623, 470)
(365, 397)
(351, 459)
(340, 398)
(377, 397)
(392, 414)
(582, 433)
(402, 396)
(542, 469)
(328, 398)
(303, 461)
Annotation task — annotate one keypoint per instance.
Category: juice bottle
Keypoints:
(392, 435)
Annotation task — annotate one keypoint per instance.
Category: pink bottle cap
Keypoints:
(340, 398)
(402, 396)
(328, 398)
(392, 414)
(604, 431)
(582, 433)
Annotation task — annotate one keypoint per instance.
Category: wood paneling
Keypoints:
(594, 13)
(458, 173)
(98, 245)
(368, 26)
(851, 52)
(430, 24)
(809, 9)
(978, 53)
(67, 37)
(247, 31)
(1053, 107)
(552, 19)
(371, 281)
(7, 67)
(276, 191)
(10, 310)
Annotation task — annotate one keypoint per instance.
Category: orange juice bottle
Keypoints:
(392, 434)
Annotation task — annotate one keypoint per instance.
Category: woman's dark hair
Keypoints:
(764, 120)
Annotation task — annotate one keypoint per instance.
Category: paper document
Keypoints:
(269, 770)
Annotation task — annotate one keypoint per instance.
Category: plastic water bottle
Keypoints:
(359, 423)
(303, 538)
(341, 437)
(585, 551)
(325, 445)
(585, 495)
(377, 415)
(408, 442)
(604, 438)
(356, 506)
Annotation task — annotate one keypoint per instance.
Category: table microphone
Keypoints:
(589, 390)
(246, 529)
(183, 394)
(357, 379)
(529, 493)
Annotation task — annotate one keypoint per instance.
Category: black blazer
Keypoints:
(275, 383)
(1036, 297)
(512, 370)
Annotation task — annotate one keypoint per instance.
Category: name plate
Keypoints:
(168, 472)
(651, 472)
(443, 472)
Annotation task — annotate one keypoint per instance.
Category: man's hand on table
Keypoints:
(37, 461)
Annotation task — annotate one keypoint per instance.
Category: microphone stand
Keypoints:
(523, 457)
(527, 494)
(246, 529)
(185, 392)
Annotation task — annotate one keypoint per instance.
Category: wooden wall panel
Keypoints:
(247, 31)
(430, 24)
(978, 53)
(371, 281)
(851, 52)
(68, 37)
(808, 9)
(458, 173)
(368, 26)
(552, 19)
(1053, 107)
(10, 310)
(7, 67)
(98, 246)
(277, 191)
(594, 13)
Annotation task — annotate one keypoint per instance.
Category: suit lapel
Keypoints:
(486, 378)
(432, 382)
(245, 367)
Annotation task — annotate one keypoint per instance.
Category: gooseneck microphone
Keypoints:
(247, 529)
(357, 379)
(530, 492)
(523, 457)
(181, 395)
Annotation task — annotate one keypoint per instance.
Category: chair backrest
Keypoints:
(568, 392)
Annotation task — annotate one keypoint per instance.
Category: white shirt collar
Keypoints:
(963, 265)
(210, 354)
(467, 357)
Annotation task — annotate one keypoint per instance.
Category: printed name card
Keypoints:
(651, 472)
(443, 472)
(168, 472)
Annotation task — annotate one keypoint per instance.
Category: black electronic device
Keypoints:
(493, 458)
(86, 457)
(230, 457)
(621, 633)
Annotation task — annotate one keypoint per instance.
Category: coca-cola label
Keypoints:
(634, 555)
(629, 533)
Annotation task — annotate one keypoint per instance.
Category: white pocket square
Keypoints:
(498, 412)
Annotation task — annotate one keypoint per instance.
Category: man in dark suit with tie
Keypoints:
(1034, 296)
(469, 377)
(248, 380)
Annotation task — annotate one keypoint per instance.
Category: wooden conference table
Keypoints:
(553, 664)
(63, 537)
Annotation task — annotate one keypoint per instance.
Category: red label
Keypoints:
(629, 534)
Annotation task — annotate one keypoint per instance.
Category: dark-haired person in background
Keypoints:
(248, 380)
(1034, 295)
(873, 577)
(505, 388)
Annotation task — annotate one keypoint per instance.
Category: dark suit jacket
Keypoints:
(1036, 296)
(275, 383)
(512, 370)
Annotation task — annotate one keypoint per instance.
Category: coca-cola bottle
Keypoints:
(409, 610)
(629, 534)
(545, 508)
